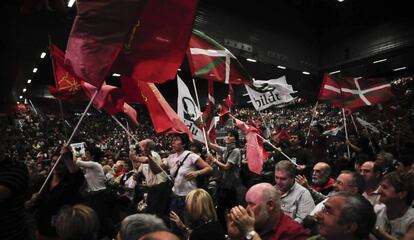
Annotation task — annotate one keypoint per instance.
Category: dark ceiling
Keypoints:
(25, 33)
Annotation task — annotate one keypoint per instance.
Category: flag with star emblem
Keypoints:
(68, 87)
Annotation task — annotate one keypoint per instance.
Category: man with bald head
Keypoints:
(371, 172)
(157, 183)
(263, 217)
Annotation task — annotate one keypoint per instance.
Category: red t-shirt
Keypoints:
(286, 228)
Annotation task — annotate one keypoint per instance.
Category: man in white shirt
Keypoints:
(157, 183)
(371, 172)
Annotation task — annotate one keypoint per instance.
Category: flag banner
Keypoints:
(188, 111)
(330, 91)
(131, 113)
(68, 87)
(364, 92)
(163, 117)
(98, 32)
(368, 125)
(255, 153)
(210, 60)
(109, 98)
(264, 95)
(353, 93)
(333, 131)
(157, 43)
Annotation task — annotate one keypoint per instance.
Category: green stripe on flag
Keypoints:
(201, 72)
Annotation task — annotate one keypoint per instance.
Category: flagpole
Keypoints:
(69, 140)
(56, 83)
(133, 137)
(310, 124)
(346, 133)
(273, 146)
(353, 122)
(201, 118)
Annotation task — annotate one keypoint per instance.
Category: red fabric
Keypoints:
(98, 32)
(158, 46)
(109, 98)
(364, 92)
(282, 134)
(131, 113)
(213, 67)
(131, 90)
(68, 87)
(209, 112)
(255, 153)
(330, 91)
(163, 117)
(286, 228)
(328, 185)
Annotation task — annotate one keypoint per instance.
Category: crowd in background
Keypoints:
(376, 163)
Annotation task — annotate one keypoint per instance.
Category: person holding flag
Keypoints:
(230, 190)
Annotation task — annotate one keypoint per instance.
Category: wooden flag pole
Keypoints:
(69, 140)
(353, 122)
(310, 124)
(276, 148)
(346, 133)
(201, 117)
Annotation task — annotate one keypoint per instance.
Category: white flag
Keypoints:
(264, 94)
(333, 131)
(367, 125)
(187, 110)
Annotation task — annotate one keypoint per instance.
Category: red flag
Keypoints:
(282, 134)
(163, 117)
(156, 47)
(98, 32)
(109, 98)
(209, 112)
(364, 92)
(255, 153)
(330, 91)
(210, 60)
(131, 113)
(68, 87)
(131, 90)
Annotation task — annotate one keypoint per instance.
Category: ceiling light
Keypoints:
(24, 89)
(306, 73)
(398, 69)
(21, 97)
(335, 72)
(18, 102)
(116, 75)
(43, 55)
(179, 69)
(246, 94)
(341, 0)
(70, 3)
(281, 67)
(357, 78)
(29, 81)
(381, 60)
(251, 60)
(34, 70)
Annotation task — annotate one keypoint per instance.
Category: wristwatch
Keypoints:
(250, 235)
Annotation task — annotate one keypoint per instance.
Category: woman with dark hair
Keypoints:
(62, 189)
(202, 216)
(395, 220)
(230, 189)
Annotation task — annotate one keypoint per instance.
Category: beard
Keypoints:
(320, 181)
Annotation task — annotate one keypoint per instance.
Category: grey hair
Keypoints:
(137, 225)
(286, 166)
(358, 210)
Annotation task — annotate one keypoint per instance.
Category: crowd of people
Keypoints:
(166, 187)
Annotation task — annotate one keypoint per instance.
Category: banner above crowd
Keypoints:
(264, 94)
